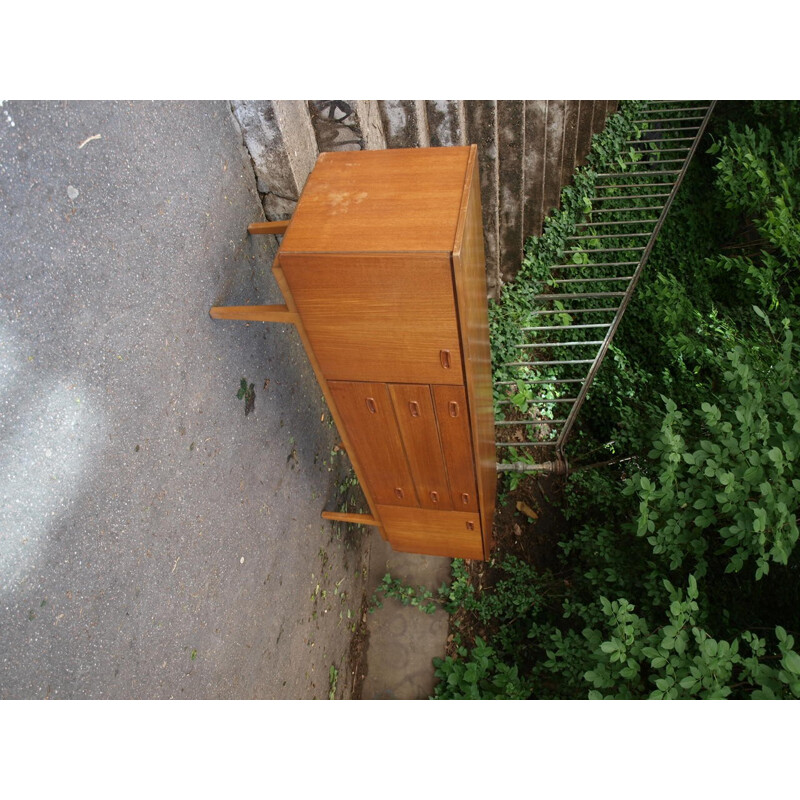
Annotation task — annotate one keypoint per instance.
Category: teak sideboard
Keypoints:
(382, 270)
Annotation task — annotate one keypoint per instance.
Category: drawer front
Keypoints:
(378, 317)
(366, 410)
(453, 421)
(454, 534)
(416, 419)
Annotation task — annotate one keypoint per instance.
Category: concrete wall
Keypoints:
(528, 151)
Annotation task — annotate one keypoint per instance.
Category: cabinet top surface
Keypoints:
(381, 201)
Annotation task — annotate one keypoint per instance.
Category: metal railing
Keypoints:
(608, 254)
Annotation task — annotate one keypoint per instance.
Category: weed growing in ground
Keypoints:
(248, 394)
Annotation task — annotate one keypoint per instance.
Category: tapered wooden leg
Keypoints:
(276, 228)
(356, 519)
(254, 313)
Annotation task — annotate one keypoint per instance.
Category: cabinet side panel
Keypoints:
(470, 279)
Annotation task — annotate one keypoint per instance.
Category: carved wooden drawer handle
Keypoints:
(470, 526)
(373, 409)
(413, 406)
(435, 497)
(399, 493)
(465, 499)
(453, 408)
(444, 356)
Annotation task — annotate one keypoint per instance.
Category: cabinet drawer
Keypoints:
(366, 410)
(452, 416)
(378, 317)
(416, 419)
(455, 534)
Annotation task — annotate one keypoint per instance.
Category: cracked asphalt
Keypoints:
(155, 541)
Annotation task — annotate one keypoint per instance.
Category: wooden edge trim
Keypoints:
(276, 228)
(471, 182)
(254, 313)
(461, 224)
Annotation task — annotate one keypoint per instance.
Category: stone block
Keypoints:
(282, 146)
(445, 122)
(404, 123)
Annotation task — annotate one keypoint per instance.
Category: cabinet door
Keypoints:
(413, 408)
(366, 410)
(453, 421)
(387, 317)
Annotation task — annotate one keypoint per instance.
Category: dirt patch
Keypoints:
(357, 654)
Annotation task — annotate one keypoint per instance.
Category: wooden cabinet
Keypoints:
(382, 269)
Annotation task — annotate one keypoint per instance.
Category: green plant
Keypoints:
(680, 659)
(477, 674)
(394, 588)
(333, 677)
(248, 393)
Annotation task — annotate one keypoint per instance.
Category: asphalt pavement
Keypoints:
(155, 540)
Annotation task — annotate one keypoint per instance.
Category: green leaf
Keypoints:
(776, 455)
(791, 661)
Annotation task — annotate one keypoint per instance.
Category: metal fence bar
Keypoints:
(541, 380)
(622, 235)
(627, 197)
(649, 173)
(548, 363)
(595, 264)
(670, 119)
(630, 186)
(551, 443)
(616, 222)
(558, 344)
(567, 327)
(543, 403)
(673, 110)
(532, 422)
(671, 140)
(605, 250)
(571, 310)
(579, 296)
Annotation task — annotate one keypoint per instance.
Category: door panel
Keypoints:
(366, 410)
(453, 421)
(378, 317)
(413, 408)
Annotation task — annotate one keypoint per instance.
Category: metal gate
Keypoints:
(592, 286)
